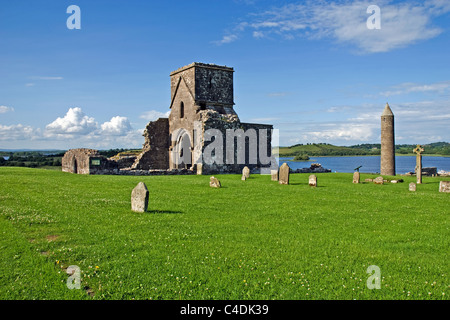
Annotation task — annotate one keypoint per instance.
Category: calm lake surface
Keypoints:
(370, 164)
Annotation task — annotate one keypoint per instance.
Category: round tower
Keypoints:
(387, 166)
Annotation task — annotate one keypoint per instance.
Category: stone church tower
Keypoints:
(387, 166)
(202, 103)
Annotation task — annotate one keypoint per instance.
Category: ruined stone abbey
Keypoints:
(203, 133)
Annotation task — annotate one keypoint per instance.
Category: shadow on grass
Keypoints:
(164, 211)
(304, 184)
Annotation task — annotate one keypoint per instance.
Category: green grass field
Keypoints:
(250, 239)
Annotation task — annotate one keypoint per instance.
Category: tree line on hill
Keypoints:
(303, 151)
(39, 159)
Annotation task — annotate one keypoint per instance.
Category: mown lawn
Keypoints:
(250, 239)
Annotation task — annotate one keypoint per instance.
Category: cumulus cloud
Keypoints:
(74, 122)
(5, 109)
(17, 132)
(402, 23)
(153, 115)
(117, 126)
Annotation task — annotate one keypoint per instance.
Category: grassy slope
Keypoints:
(251, 239)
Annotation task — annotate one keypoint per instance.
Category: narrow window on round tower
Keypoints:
(181, 110)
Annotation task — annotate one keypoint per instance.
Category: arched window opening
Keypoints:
(181, 110)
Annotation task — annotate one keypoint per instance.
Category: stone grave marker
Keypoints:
(356, 177)
(214, 182)
(378, 180)
(274, 175)
(444, 186)
(312, 181)
(283, 177)
(139, 198)
(412, 186)
(246, 172)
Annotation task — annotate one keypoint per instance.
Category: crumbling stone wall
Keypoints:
(87, 161)
(155, 153)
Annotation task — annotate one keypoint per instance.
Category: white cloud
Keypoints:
(405, 88)
(402, 24)
(5, 109)
(258, 34)
(74, 130)
(46, 78)
(347, 132)
(116, 126)
(226, 39)
(74, 122)
(153, 115)
(17, 132)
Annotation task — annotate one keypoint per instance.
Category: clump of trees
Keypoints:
(302, 157)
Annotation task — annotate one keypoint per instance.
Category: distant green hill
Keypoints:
(325, 149)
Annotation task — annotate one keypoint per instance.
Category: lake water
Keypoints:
(370, 164)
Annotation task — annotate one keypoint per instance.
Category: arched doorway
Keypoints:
(182, 150)
(74, 165)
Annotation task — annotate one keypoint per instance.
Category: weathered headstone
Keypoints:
(214, 182)
(368, 180)
(246, 172)
(139, 198)
(274, 175)
(356, 177)
(418, 170)
(312, 181)
(394, 181)
(378, 180)
(199, 169)
(283, 177)
(444, 186)
(412, 186)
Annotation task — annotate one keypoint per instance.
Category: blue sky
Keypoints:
(311, 68)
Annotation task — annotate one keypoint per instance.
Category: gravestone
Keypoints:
(139, 198)
(312, 181)
(214, 182)
(356, 177)
(418, 170)
(246, 172)
(412, 186)
(283, 177)
(274, 175)
(199, 169)
(378, 180)
(368, 180)
(444, 186)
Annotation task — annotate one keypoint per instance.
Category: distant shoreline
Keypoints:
(365, 155)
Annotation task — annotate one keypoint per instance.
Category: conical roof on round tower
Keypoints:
(387, 111)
